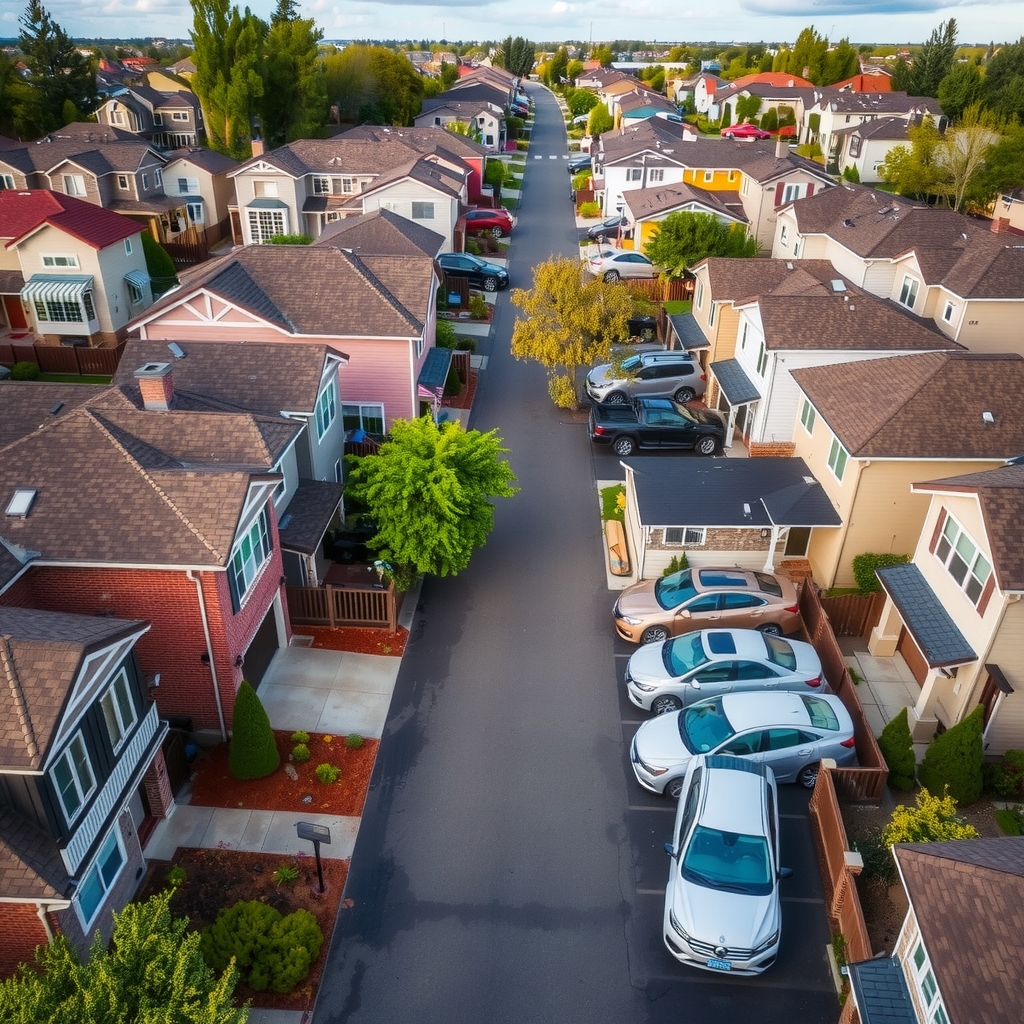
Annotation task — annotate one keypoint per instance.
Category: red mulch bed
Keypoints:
(464, 399)
(214, 786)
(356, 640)
(215, 879)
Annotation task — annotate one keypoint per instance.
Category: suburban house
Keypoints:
(938, 264)
(774, 89)
(1008, 212)
(69, 273)
(866, 146)
(378, 309)
(748, 512)
(597, 78)
(486, 119)
(170, 120)
(941, 969)
(199, 177)
(870, 429)
(645, 208)
(955, 611)
(382, 233)
(642, 103)
(82, 773)
(708, 91)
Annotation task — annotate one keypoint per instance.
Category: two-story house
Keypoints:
(486, 119)
(865, 147)
(708, 91)
(170, 120)
(69, 273)
(199, 177)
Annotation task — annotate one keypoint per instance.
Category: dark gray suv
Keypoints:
(672, 375)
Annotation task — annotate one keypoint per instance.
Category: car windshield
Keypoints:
(780, 652)
(672, 590)
(704, 726)
(728, 860)
(684, 654)
(821, 714)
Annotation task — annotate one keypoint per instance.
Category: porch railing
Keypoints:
(369, 606)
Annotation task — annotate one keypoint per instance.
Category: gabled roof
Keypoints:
(208, 159)
(968, 898)
(427, 172)
(98, 150)
(772, 79)
(886, 102)
(421, 140)
(877, 82)
(381, 233)
(31, 405)
(885, 128)
(899, 407)
(31, 867)
(24, 212)
(746, 278)
(465, 109)
(648, 202)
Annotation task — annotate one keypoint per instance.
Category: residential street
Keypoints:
(508, 868)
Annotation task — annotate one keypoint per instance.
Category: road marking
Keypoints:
(650, 892)
(554, 156)
(538, 158)
(670, 809)
(565, 156)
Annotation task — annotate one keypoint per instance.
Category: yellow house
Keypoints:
(870, 429)
(647, 207)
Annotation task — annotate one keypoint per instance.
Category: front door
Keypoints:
(912, 656)
(262, 650)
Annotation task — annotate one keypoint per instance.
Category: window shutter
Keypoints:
(990, 585)
(232, 586)
(778, 193)
(810, 188)
(937, 532)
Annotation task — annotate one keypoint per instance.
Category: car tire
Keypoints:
(624, 446)
(616, 398)
(770, 629)
(653, 635)
(674, 787)
(707, 445)
(730, 135)
(497, 231)
(684, 395)
(665, 704)
(490, 284)
(611, 276)
(808, 776)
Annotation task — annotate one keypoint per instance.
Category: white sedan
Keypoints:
(611, 264)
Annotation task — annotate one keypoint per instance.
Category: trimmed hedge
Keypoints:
(897, 746)
(864, 567)
(954, 760)
(253, 753)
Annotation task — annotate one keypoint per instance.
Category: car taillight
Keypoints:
(703, 376)
(598, 429)
(851, 742)
(816, 681)
(794, 608)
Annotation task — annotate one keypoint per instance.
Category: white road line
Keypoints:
(650, 892)
(554, 156)
(671, 809)
(538, 158)
(565, 156)
(623, 655)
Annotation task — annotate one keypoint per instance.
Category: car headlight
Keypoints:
(646, 687)
(768, 943)
(629, 621)
(674, 921)
(650, 768)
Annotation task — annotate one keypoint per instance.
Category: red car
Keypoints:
(745, 131)
(496, 222)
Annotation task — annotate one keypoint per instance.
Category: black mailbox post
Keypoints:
(316, 834)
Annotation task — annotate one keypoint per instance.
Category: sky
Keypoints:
(877, 21)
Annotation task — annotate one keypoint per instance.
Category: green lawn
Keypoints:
(675, 306)
(510, 204)
(609, 503)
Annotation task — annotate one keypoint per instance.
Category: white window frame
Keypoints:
(935, 1012)
(948, 311)
(74, 185)
(655, 175)
(711, 313)
(145, 182)
(348, 186)
(700, 294)
(264, 224)
(838, 457)
(101, 874)
(792, 192)
(634, 173)
(326, 408)
(135, 293)
(685, 536)
(909, 290)
(784, 236)
(265, 188)
(339, 472)
(60, 260)
(321, 185)
(244, 569)
(195, 213)
(6, 181)
(954, 543)
(180, 115)
(709, 176)
(116, 704)
(796, 248)
(422, 210)
(762, 358)
(158, 118)
(808, 416)
(123, 183)
(364, 410)
(127, 247)
(185, 186)
(65, 311)
(158, 177)
(84, 788)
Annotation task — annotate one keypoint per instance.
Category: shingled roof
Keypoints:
(968, 898)
(647, 202)
(91, 151)
(381, 233)
(32, 405)
(738, 280)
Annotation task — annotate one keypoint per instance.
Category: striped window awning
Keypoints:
(56, 287)
(139, 278)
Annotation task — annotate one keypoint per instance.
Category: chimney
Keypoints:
(1000, 224)
(257, 147)
(781, 147)
(156, 382)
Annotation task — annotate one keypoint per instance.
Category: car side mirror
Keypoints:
(695, 684)
(785, 872)
(684, 613)
(670, 849)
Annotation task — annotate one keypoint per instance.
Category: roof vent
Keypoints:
(56, 408)
(851, 307)
(986, 417)
(21, 502)
(847, 223)
(746, 509)
(810, 481)
(837, 285)
(789, 264)
(176, 350)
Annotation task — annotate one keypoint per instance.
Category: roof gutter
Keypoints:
(209, 651)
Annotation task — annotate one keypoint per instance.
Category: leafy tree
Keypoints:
(253, 753)
(449, 75)
(934, 60)
(153, 971)
(961, 88)
(464, 128)
(516, 56)
(286, 10)
(954, 759)
(747, 107)
(569, 324)
(10, 82)
(840, 63)
(581, 101)
(657, 82)
(806, 59)
(374, 85)
(1004, 80)
(682, 239)
(294, 88)
(770, 121)
(897, 747)
(557, 68)
(933, 819)
(902, 76)
(159, 265)
(916, 170)
(964, 154)
(573, 70)
(1004, 165)
(600, 120)
(603, 55)
(429, 488)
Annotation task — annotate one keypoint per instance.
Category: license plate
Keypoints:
(719, 965)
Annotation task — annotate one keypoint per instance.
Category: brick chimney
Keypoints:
(257, 147)
(1000, 224)
(156, 382)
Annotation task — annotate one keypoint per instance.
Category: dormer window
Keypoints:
(321, 186)
(73, 776)
(118, 710)
(123, 183)
(908, 293)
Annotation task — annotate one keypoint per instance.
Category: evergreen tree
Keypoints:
(253, 753)
(934, 61)
(954, 760)
(1004, 80)
(286, 10)
(374, 85)
(839, 63)
(961, 87)
(294, 102)
(897, 747)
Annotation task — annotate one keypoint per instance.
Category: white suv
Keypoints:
(722, 899)
(674, 375)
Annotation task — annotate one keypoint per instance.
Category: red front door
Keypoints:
(15, 313)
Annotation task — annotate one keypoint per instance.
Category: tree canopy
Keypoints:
(683, 239)
(811, 58)
(1004, 80)
(934, 61)
(374, 85)
(516, 56)
(295, 90)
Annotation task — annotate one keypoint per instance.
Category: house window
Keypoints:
(792, 192)
(73, 775)
(908, 293)
(837, 457)
(655, 174)
(339, 473)
(195, 212)
(326, 409)
(700, 294)
(60, 261)
(807, 416)
(158, 118)
(784, 235)
(74, 185)
(90, 311)
(688, 536)
(145, 183)
(437, 122)
(179, 115)
(123, 183)
(348, 185)
(118, 710)
(279, 490)
(743, 335)
(422, 211)
(100, 878)
(264, 189)
(709, 176)
(6, 181)
(365, 417)
(927, 986)
(127, 247)
(117, 117)
(158, 177)
(634, 173)
(264, 224)
(321, 186)
(854, 145)
(762, 359)
(61, 311)
(962, 559)
(135, 293)
(796, 248)
(947, 313)
(419, 346)
(249, 556)
(188, 186)
(743, 187)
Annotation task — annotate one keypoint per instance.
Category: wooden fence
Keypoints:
(865, 783)
(64, 358)
(349, 605)
(657, 290)
(185, 254)
(853, 614)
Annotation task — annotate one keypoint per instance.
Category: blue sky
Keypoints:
(882, 21)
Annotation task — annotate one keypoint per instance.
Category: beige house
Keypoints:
(955, 611)
(1008, 212)
(870, 429)
(200, 178)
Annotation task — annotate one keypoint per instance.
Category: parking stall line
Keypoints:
(633, 721)
(650, 892)
(661, 810)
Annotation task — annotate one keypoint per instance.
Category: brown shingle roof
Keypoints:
(309, 513)
(30, 863)
(381, 233)
(900, 407)
(646, 202)
(733, 280)
(968, 898)
(29, 405)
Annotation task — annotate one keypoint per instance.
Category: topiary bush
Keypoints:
(933, 819)
(770, 120)
(1005, 778)
(897, 746)
(851, 173)
(300, 753)
(452, 383)
(25, 370)
(864, 567)
(253, 753)
(327, 774)
(353, 741)
(954, 760)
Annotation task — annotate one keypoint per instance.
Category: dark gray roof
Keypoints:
(434, 371)
(381, 233)
(931, 626)
(718, 492)
(688, 331)
(738, 387)
(880, 992)
(304, 522)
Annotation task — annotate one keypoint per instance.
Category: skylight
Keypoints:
(21, 502)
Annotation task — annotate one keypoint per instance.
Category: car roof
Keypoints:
(728, 579)
(734, 795)
(768, 709)
(734, 643)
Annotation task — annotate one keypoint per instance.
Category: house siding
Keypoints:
(1006, 729)
(400, 197)
(990, 326)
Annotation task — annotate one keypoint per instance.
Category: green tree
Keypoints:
(449, 75)
(897, 747)
(902, 76)
(286, 10)
(153, 971)
(603, 55)
(683, 239)
(1004, 164)
(747, 107)
(557, 69)
(933, 819)
(954, 760)
(964, 154)
(573, 70)
(807, 58)
(162, 273)
(962, 87)
(294, 102)
(916, 170)
(374, 85)
(253, 753)
(569, 323)
(581, 101)
(600, 120)
(934, 60)
(839, 63)
(516, 55)
(1004, 80)
(430, 488)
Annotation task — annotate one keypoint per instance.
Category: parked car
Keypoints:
(480, 273)
(656, 423)
(789, 732)
(654, 610)
(612, 264)
(722, 898)
(651, 374)
(607, 228)
(674, 673)
(497, 222)
(745, 131)
(642, 326)
(580, 162)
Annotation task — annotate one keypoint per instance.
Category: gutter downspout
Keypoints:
(209, 651)
(866, 465)
(41, 910)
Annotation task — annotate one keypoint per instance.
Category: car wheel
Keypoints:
(611, 276)
(653, 635)
(771, 629)
(808, 776)
(616, 398)
(674, 787)
(730, 135)
(665, 705)
(497, 231)
(490, 284)
(707, 445)
(684, 395)
(624, 446)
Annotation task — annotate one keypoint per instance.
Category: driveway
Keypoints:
(507, 867)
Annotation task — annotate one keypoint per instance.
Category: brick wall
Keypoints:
(771, 449)
(158, 786)
(20, 932)
(716, 540)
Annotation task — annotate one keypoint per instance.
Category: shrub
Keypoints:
(515, 126)
(290, 240)
(327, 774)
(611, 508)
(300, 753)
(176, 876)
(26, 370)
(590, 210)
(253, 753)
(811, 151)
(954, 760)
(465, 344)
(353, 741)
(581, 180)
(1011, 821)
(851, 173)
(878, 860)
(561, 390)
(478, 306)
(897, 746)
(1005, 778)
(159, 265)
(444, 337)
(494, 172)
(522, 144)
(770, 120)
(472, 247)
(300, 736)
(787, 115)
(677, 564)
(864, 567)
(932, 820)
(453, 382)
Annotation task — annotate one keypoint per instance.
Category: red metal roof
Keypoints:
(24, 211)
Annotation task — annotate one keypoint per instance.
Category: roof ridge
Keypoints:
(382, 290)
(20, 704)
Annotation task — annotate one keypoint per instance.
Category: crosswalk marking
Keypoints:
(554, 156)
(538, 157)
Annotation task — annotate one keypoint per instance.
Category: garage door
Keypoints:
(261, 651)
(912, 656)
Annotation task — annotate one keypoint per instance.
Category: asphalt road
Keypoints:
(508, 868)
